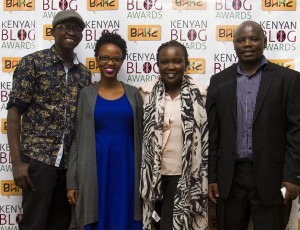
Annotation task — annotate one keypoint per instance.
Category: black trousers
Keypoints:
(47, 207)
(164, 208)
(243, 201)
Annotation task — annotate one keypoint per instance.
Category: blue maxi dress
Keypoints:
(115, 165)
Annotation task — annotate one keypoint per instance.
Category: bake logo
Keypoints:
(47, 32)
(18, 34)
(97, 5)
(51, 5)
(189, 4)
(144, 9)
(92, 65)
(196, 66)
(141, 67)
(8, 188)
(9, 64)
(278, 5)
(225, 33)
(3, 124)
(233, 9)
(94, 29)
(289, 63)
(144, 32)
(18, 5)
(281, 35)
(191, 33)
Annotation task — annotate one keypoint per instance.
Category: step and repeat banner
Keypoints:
(205, 27)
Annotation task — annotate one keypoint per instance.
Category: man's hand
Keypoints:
(213, 192)
(21, 177)
(292, 191)
(72, 195)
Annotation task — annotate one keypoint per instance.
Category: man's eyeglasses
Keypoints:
(106, 59)
(67, 28)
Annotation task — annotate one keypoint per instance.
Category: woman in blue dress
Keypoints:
(104, 167)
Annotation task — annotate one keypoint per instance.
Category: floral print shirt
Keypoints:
(49, 94)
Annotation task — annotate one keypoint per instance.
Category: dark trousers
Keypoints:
(243, 201)
(46, 207)
(164, 208)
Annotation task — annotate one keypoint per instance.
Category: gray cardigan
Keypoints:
(82, 172)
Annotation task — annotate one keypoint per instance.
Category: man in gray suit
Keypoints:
(254, 141)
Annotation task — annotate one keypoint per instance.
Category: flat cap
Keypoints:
(67, 15)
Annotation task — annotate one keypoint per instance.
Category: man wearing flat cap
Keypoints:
(46, 85)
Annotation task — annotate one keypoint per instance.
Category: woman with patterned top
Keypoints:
(104, 170)
(174, 162)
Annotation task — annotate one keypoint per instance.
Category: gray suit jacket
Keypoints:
(82, 172)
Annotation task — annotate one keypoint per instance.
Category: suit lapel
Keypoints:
(265, 82)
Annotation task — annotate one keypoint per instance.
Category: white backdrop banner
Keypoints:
(205, 27)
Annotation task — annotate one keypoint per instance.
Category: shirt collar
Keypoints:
(263, 65)
(56, 58)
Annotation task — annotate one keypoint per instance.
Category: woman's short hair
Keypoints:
(112, 38)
